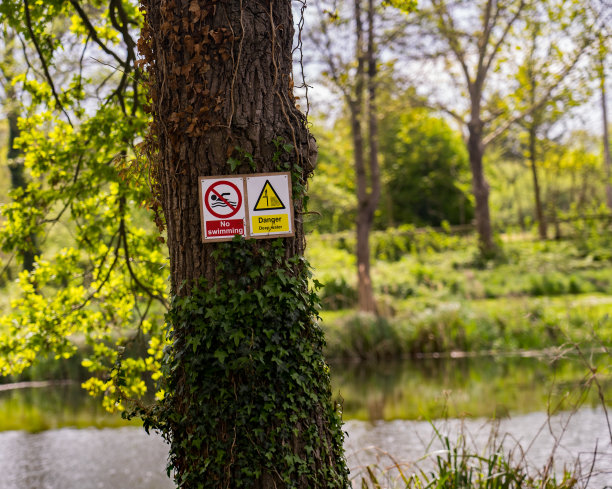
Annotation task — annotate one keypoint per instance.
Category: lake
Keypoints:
(57, 438)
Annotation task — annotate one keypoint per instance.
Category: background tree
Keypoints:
(248, 400)
(8, 73)
(353, 73)
(469, 39)
(601, 71)
(544, 95)
(602, 10)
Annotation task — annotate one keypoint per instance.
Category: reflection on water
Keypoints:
(124, 458)
(55, 406)
(427, 389)
(384, 406)
(575, 437)
(473, 387)
(128, 458)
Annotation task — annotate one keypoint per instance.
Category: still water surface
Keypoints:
(385, 409)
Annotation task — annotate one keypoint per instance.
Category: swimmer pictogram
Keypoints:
(223, 199)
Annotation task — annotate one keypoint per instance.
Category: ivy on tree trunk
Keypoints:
(248, 401)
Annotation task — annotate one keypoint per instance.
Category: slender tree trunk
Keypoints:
(27, 251)
(365, 291)
(255, 410)
(366, 301)
(367, 200)
(536, 184)
(606, 134)
(480, 187)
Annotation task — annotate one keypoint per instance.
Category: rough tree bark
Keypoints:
(220, 75)
(223, 82)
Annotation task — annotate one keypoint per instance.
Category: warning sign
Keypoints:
(223, 210)
(270, 224)
(268, 199)
(270, 206)
(254, 206)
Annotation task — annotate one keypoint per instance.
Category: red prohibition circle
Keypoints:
(219, 196)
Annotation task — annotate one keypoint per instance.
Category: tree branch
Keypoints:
(329, 57)
(502, 38)
(543, 99)
(42, 59)
(123, 237)
(94, 34)
(448, 30)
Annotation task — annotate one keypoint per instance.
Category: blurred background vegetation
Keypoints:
(402, 87)
(423, 118)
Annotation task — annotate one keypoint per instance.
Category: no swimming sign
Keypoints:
(254, 206)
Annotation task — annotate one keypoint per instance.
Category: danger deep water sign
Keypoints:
(254, 206)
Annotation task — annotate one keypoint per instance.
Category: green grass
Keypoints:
(421, 327)
(527, 269)
(456, 466)
(437, 297)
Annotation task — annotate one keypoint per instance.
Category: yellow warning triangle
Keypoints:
(268, 199)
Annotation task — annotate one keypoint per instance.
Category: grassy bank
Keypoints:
(426, 327)
(435, 296)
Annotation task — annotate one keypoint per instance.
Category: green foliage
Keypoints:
(245, 380)
(424, 168)
(405, 6)
(426, 173)
(100, 278)
(590, 229)
(81, 289)
(571, 178)
(333, 202)
(242, 158)
(337, 294)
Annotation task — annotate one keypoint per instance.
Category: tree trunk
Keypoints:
(480, 188)
(249, 402)
(374, 197)
(365, 292)
(27, 251)
(606, 136)
(367, 199)
(536, 184)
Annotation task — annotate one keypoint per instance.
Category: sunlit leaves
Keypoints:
(405, 6)
(101, 278)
